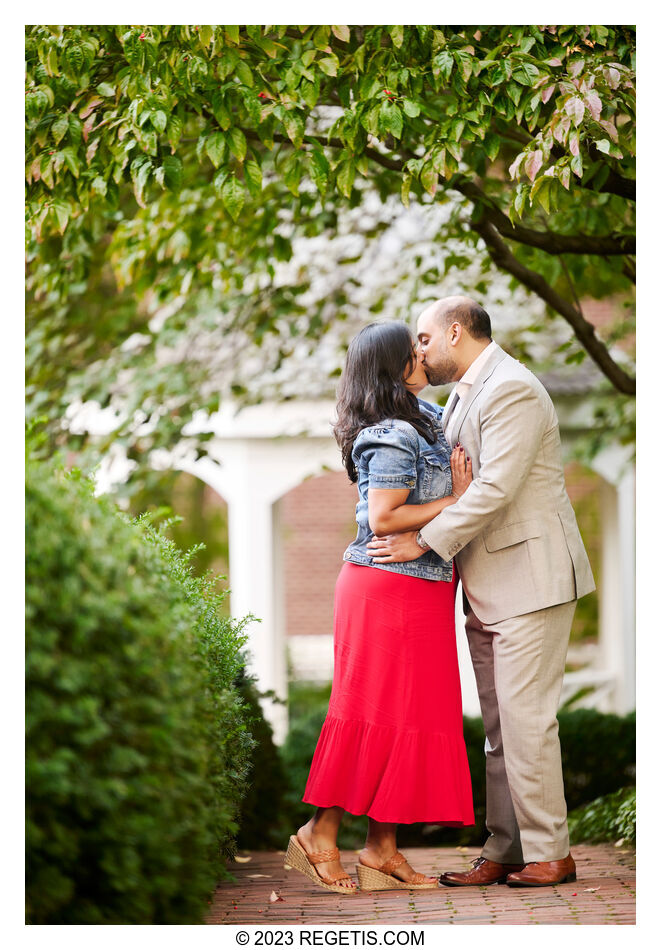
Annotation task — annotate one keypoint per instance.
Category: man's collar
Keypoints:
(475, 368)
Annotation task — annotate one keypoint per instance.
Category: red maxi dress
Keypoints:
(392, 744)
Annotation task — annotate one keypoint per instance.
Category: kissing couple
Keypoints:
(472, 492)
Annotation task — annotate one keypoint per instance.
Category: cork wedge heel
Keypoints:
(297, 857)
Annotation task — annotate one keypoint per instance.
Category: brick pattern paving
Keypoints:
(604, 893)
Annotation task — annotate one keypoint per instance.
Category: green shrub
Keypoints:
(137, 746)
(263, 802)
(584, 734)
(608, 818)
(598, 753)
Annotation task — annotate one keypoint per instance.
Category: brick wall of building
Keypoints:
(318, 521)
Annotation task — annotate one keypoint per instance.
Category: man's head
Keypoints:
(452, 333)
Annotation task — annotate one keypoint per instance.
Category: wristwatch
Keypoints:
(420, 541)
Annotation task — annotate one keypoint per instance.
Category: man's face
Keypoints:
(434, 350)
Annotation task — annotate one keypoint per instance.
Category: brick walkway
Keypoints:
(603, 894)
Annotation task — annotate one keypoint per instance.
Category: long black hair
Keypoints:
(372, 388)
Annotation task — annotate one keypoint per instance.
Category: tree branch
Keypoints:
(549, 241)
(502, 257)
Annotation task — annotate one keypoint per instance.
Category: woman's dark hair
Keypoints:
(372, 387)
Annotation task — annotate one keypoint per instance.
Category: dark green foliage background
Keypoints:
(608, 818)
(137, 744)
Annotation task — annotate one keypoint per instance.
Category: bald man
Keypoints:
(522, 564)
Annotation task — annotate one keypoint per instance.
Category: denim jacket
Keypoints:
(393, 455)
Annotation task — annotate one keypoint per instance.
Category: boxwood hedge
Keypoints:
(137, 744)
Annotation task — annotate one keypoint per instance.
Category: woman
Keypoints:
(392, 745)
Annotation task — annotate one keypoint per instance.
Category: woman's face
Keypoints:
(416, 380)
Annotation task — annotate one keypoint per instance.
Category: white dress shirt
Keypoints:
(463, 387)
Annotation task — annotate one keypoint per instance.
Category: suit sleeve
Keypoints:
(512, 425)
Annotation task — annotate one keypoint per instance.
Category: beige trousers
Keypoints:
(519, 664)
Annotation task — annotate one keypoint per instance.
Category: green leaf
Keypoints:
(173, 172)
(390, 120)
(319, 170)
(174, 130)
(253, 177)
(293, 172)
(294, 127)
(576, 165)
(105, 89)
(233, 196)
(412, 109)
(492, 145)
(329, 65)
(342, 33)
(526, 74)
(310, 91)
(205, 34)
(218, 180)
(215, 147)
(159, 120)
(396, 35)
(62, 211)
(244, 73)
(59, 128)
(71, 161)
(99, 186)
(51, 64)
(232, 33)
(443, 64)
(456, 129)
(140, 172)
(429, 178)
(237, 143)
(345, 177)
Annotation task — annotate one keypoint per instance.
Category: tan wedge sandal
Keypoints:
(297, 857)
(371, 879)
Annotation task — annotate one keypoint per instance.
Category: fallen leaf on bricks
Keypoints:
(591, 890)
(259, 875)
(463, 850)
(275, 897)
(242, 860)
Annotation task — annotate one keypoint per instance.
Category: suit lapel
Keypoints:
(496, 357)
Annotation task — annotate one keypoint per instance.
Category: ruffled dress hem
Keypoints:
(391, 774)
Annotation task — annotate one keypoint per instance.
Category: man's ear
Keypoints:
(455, 330)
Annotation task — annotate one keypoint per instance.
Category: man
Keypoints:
(522, 565)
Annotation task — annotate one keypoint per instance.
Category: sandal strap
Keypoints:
(394, 862)
(318, 857)
(334, 878)
(418, 878)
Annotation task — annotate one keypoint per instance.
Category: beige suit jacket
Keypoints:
(513, 533)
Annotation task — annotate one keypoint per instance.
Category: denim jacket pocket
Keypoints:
(436, 479)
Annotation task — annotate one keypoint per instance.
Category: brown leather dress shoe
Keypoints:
(482, 873)
(544, 873)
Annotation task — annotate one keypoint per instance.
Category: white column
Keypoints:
(242, 478)
(617, 638)
(626, 512)
(253, 591)
(470, 700)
